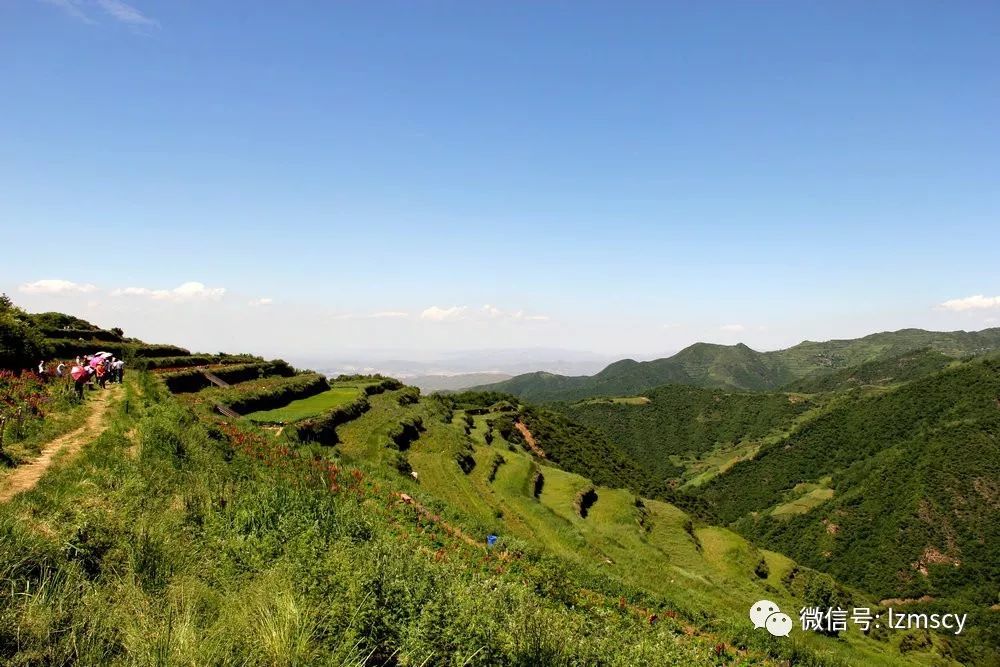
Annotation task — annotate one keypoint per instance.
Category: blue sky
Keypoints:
(619, 177)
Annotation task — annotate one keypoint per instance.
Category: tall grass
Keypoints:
(173, 542)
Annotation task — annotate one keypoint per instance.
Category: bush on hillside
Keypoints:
(274, 393)
(382, 385)
(405, 433)
(408, 396)
(323, 429)
(88, 334)
(193, 379)
(465, 459)
(21, 344)
(584, 500)
(157, 363)
(498, 460)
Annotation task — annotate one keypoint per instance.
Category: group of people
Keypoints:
(101, 367)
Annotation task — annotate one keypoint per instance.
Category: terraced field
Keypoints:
(651, 546)
(338, 395)
(457, 463)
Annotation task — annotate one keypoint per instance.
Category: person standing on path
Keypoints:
(81, 379)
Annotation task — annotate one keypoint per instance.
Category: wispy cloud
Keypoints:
(486, 312)
(53, 286)
(70, 7)
(126, 13)
(732, 328)
(977, 302)
(116, 9)
(263, 301)
(190, 291)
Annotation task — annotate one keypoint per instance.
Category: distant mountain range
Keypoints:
(431, 383)
(494, 364)
(737, 367)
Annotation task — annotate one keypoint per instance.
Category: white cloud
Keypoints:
(732, 328)
(977, 302)
(492, 312)
(51, 286)
(190, 291)
(487, 312)
(437, 314)
(71, 7)
(116, 9)
(125, 13)
(263, 301)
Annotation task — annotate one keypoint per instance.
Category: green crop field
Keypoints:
(806, 497)
(335, 397)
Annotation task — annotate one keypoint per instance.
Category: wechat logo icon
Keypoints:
(765, 614)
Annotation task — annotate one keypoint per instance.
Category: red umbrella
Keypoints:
(77, 372)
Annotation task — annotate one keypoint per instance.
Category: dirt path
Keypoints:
(530, 439)
(25, 477)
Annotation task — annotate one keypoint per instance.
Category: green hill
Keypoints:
(900, 488)
(345, 521)
(675, 424)
(892, 370)
(26, 338)
(358, 536)
(738, 367)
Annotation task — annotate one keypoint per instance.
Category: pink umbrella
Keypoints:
(95, 362)
(77, 372)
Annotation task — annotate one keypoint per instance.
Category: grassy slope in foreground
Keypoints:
(197, 542)
(739, 367)
(166, 542)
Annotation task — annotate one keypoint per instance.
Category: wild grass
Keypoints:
(172, 542)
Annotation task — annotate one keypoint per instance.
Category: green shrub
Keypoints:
(193, 379)
(323, 429)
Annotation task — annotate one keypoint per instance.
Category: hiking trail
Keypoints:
(24, 477)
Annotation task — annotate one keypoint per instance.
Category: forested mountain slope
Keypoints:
(739, 367)
(913, 500)
(676, 422)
